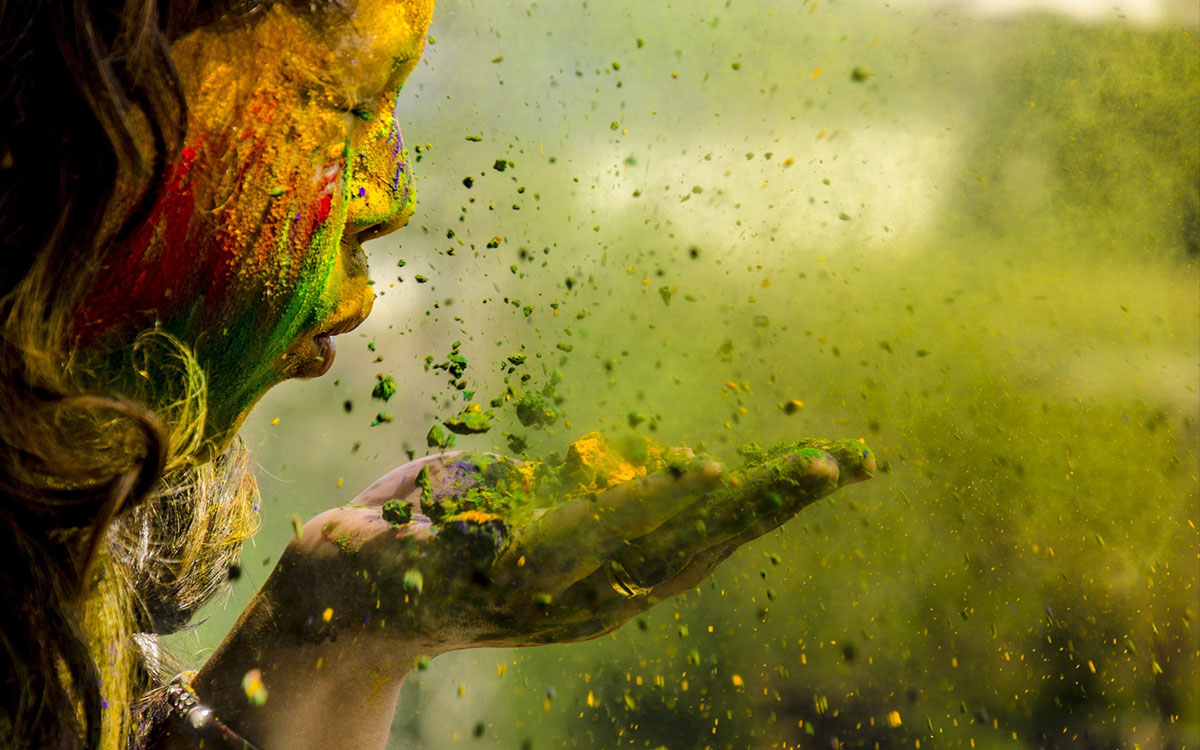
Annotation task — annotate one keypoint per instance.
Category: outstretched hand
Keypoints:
(461, 550)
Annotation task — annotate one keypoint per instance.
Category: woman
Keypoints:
(186, 188)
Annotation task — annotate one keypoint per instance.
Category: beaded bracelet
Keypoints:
(186, 705)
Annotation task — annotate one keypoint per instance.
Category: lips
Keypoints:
(322, 349)
(312, 357)
(326, 350)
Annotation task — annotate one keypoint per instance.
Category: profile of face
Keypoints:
(252, 253)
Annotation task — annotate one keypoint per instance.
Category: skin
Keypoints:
(292, 159)
(339, 624)
(253, 258)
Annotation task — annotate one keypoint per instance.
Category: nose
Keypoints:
(381, 194)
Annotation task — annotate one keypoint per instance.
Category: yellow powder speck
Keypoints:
(893, 719)
(252, 685)
(473, 516)
(341, 481)
(501, 669)
(591, 700)
(327, 615)
(737, 680)
(526, 472)
(275, 421)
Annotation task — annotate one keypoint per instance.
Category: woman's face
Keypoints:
(292, 159)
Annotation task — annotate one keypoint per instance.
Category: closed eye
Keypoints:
(359, 108)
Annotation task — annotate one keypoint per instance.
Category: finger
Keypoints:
(571, 620)
(699, 568)
(568, 542)
(595, 624)
(400, 482)
(595, 606)
(855, 458)
(756, 499)
(349, 528)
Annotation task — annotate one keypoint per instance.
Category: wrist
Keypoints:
(283, 678)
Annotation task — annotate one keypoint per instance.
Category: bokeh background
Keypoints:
(965, 232)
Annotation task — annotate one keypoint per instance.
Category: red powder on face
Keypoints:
(132, 280)
(323, 208)
(225, 252)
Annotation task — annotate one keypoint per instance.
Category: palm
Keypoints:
(462, 550)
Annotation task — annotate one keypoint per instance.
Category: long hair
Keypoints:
(114, 519)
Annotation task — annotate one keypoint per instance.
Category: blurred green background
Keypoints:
(966, 233)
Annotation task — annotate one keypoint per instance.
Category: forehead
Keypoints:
(360, 46)
(367, 39)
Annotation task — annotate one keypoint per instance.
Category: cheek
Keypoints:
(247, 229)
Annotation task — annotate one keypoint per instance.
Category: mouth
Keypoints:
(315, 355)
(312, 356)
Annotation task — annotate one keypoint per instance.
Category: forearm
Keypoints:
(323, 693)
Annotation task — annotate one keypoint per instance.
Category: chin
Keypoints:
(312, 354)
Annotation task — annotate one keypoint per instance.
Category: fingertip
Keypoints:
(862, 466)
(824, 468)
(711, 469)
(867, 470)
